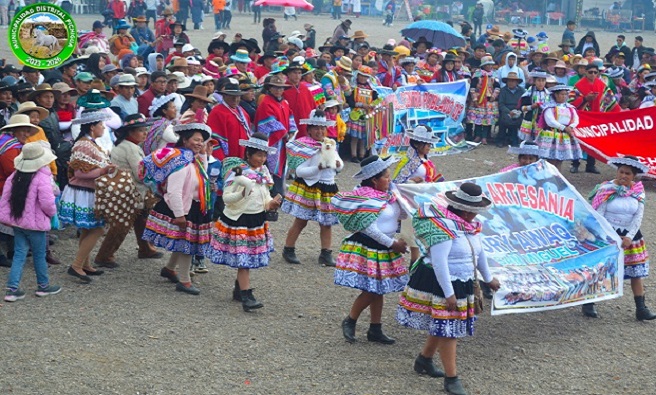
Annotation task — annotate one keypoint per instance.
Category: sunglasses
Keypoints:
(593, 72)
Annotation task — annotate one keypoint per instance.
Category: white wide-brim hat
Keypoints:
(525, 148)
(629, 161)
(34, 156)
(315, 120)
(376, 167)
(421, 133)
(258, 144)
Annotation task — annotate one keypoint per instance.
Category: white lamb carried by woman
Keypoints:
(328, 156)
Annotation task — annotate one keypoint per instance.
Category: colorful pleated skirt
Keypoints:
(242, 244)
(161, 232)
(422, 305)
(636, 257)
(367, 265)
(76, 207)
(311, 203)
(485, 114)
(557, 145)
(528, 130)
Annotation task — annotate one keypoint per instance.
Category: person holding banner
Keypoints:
(555, 139)
(439, 297)
(370, 258)
(528, 152)
(308, 197)
(415, 168)
(622, 202)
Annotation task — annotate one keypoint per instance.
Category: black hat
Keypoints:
(130, 122)
(28, 69)
(180, 42)
(4, 86)
(252, 45)
(336, 47)
(294, 65)
(267, 54)
(22, 87)
(214, 44)
(177, 23)
(387, 50)
(468, 197)
(10, 68)
(449, 57)
(231, 88)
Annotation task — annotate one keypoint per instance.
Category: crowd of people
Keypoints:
(144, 131)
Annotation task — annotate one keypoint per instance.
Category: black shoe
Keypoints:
(236, 295)
(289, 255)
(170, 274)
(574, 169)
(348, 329)
(487, 291)
(453, 386)
(326, 258)
(375, 334)
(248, 301)
(642, 312)
(589, 310)
(94, 273)
(355, 159)
(592, 170)
(191, 289)
(84, 278)
(425, 365)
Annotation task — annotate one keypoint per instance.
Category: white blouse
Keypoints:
(386, 225)
(567, 116)
(453, 260)
(624, 213)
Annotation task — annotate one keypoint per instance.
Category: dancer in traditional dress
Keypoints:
(532, 104)
(439, 297)
(556, 141)
(241, 237)
(308, 197)
(180, 222)
(416, 168)
(483, 109)
(164, 114)
(370, 259)
(360, 102)
(622, 202)
(88, 162)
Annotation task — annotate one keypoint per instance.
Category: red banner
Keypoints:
(607, 135)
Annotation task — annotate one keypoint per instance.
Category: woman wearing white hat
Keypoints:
(622, 202)
(439, 297)
(308, 197)
(27, 205)
(370, 259)
(241, 238)
(88, 162)
(415, 167)
(483, 109)
(556, 141)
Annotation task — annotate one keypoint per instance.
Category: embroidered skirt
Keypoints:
(484, 115)
(242, 244)
(636, 257)
(161, 232)
(357, 129)
(528, 130)
(557, 145)
(365, 264)
(422, 305)
(76, 208)
(311, 203)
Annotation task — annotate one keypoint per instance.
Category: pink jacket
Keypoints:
(181, 189)
(39, 205)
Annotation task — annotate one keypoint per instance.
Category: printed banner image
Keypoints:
(608, 135)
(543, 241)
(438, 105)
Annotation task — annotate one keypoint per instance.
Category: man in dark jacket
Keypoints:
(633, 61)
(619, 47)
(588, 41)
(510, 118)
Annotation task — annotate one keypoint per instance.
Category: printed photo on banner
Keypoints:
(438, 105)
(543, 254)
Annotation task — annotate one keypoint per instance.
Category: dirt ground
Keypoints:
(130, 333)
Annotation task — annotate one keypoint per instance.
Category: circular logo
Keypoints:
(42, 36)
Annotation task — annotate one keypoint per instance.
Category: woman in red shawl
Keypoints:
(275, 119)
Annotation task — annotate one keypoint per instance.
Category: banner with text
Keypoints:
(607, 135)
(543, 241)
(442, 106)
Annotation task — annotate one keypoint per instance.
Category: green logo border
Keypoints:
(27, 59)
